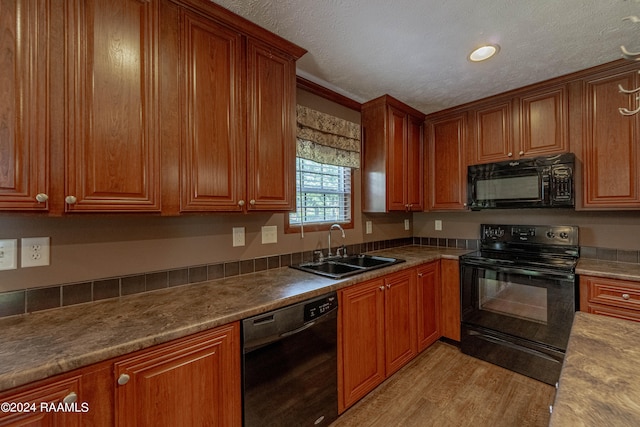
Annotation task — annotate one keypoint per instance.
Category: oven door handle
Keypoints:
(542, 273)
(496, 340)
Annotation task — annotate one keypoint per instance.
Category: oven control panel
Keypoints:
(540, 234)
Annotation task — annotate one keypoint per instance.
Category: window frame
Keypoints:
(316, 226)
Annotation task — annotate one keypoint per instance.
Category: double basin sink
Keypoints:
(337, 267)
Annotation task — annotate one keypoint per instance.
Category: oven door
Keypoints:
(536, 306)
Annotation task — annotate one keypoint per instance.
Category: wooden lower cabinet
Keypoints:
(610, 297)
(428, 309)
(450, 281)
(191, 382)
(382, 324)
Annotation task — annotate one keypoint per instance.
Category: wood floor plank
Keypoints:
(444, 387)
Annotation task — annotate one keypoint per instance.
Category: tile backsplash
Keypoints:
(37, 299)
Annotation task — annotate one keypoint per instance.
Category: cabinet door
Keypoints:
(361, 360)
(271, 129)
(428, 304)
(400, 320)
(450, 318)
(112, 124)
(213, 160)
(543, 123)
(447, 167)
(24, 110)
(611, 157)
(493, 132)
(60, 392)
(396, 176)
(415, 161)
(191, 382)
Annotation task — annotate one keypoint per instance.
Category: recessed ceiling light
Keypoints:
(484, 52)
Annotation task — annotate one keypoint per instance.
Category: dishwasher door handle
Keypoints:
(295, 331)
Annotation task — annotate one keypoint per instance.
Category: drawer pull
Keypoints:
(625, 297)
(70, 398)
(123, 379)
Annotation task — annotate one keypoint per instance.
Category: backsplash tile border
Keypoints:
(36, 299)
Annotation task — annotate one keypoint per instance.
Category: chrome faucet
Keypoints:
(343, 236)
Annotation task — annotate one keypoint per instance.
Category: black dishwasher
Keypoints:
(290, 365)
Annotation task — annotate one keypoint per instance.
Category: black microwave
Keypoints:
(539, 182)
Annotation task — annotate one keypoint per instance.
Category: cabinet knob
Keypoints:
(420, 274)
(252, 202)
(382, 288)
(41, 197)
(123, 379)
(70, 398)
(510, 154)
(71, 200)
(625, 296)
(521, 153)
(389, 286)
(240, 203)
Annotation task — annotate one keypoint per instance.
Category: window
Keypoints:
(323, 195)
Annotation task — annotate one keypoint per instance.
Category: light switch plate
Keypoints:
(368, 227)
(407, 225)
(438, 225)
(269, 234)
(8, 254)
(35, 252)
(238, 236)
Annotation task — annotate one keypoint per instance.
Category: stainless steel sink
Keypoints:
(337, 268)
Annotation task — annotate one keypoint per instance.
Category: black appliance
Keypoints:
(290, 365)
(518, 297)
(540, 182)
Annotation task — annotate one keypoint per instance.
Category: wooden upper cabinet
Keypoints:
(271, 148)
(112, 128)
(544, 125)
(493, 132)
(609, 153)
(24, 107)
(446, 162)
(392, 156)
(213, 148)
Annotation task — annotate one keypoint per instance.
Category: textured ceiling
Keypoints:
(416, 50)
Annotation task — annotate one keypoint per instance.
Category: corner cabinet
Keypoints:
(609, 152)
(24, 110)
(392, 156)
(446, 162)
(112, 117)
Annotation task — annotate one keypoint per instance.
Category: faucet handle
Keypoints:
(320, 256)
(344, 251)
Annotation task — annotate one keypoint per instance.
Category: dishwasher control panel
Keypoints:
(320, 307)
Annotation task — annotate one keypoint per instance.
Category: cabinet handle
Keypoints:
(71, 200)
(382, 288)
(41, 197)
(521, 153)
(70, 398)
(123, 379)
(509, 154)
(240, 203)
(252, 202)
(420, 274)
(625, 296)
(389, 286)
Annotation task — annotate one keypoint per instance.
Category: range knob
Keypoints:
(564, 235)
(551, 234)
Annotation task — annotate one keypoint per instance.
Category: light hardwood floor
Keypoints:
(444, 387)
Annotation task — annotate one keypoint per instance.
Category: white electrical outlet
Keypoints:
(8, 254)
(407, 226)
(438, 225)
(238, 236)
(35, 251)
(269, 234)
(368, 227)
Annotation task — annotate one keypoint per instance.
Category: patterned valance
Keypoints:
(327, 139)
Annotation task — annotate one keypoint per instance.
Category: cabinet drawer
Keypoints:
(618, 293)
(619, 313)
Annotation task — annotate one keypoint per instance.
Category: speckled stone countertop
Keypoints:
(599, 383)
(39, 345)
(610, 269)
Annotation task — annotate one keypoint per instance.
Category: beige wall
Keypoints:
(616, 230)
